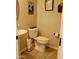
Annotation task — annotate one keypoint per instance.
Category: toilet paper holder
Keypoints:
(57, 35)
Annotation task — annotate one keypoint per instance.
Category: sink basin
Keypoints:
(20, 32)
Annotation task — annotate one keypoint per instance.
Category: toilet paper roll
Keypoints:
(57, 35)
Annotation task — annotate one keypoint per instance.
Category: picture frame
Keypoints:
(49, 5)
(30, 8)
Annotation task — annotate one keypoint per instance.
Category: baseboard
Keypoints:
(22, 50)
(52, 47)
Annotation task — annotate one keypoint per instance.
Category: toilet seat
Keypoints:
(41, 39)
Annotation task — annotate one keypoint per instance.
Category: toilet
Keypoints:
(40, 41)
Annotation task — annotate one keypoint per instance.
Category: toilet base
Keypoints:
(40, 47)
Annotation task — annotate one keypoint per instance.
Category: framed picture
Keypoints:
(49, 5)
(30, 8)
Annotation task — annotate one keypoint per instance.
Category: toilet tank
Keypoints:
(33, 32)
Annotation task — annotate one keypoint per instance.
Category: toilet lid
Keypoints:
(40, 38)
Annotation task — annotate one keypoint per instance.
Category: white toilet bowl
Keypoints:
(40, 43)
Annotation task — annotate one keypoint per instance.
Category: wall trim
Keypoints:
(53, 47)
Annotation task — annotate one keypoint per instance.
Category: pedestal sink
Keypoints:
(20, 32)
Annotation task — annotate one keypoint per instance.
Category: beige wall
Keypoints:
(25, 20)
(48, 22)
